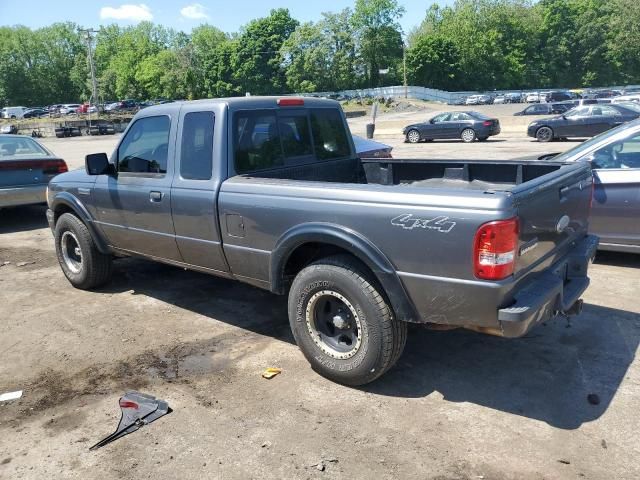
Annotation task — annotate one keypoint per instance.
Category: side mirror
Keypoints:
(98, 164)
(564, 116)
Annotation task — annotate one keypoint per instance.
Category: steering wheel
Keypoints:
(160, 153)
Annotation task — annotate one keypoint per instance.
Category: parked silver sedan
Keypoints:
(615, 158)
(25, 170)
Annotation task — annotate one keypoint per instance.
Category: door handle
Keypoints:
(156, 196)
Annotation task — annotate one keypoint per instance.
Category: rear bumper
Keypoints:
(13, 197)
(510, 307)
(556, 291)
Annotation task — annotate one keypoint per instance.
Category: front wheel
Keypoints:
(468, 135)
(544, 134)
(342, 323)
(413, 136)
(81, 261)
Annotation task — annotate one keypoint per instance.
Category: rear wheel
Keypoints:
(468, 135)
(342, 323)
(81, 261)
(413, 136)
(544, 134)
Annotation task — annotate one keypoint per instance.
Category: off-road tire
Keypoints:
(95, 267)
(383, 336)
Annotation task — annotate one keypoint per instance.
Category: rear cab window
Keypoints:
(196, 152)
(272, 138)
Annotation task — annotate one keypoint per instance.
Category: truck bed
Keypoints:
(480, 175)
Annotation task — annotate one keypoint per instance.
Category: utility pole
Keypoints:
(94, 84)
(404, 66)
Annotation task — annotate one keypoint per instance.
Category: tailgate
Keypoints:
(21, 173)
(553, 210)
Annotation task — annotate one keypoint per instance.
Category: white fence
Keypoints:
(399, 91)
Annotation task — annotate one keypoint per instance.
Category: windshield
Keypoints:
(20, 147)
(585, 146)
(634, 107)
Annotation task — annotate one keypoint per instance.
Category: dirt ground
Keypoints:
(458, 405)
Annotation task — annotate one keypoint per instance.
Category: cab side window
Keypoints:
(196, 153)
(145, 148)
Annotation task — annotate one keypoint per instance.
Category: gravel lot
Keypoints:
(458, 405)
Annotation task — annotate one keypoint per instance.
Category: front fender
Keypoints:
(64, 201)
(351, 241)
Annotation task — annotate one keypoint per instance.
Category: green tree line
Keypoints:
(471, 45)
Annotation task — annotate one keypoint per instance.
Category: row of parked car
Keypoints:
(548, 96)
(78, 108)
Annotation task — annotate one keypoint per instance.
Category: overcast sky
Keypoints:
(182, 15)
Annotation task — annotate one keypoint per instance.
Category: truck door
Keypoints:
(194, 192)
(133, 208)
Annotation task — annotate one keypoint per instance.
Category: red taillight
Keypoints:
(290, 102)
(53, 167)
(494, 250)
(487, 123)
(48, 167)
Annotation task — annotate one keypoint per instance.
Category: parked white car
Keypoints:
(472, 100)
(13, 112)
(533, 97)
(69, 108)
(626, 99)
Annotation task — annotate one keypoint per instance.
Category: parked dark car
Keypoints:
(36, 113)
(545, 109)
(558, 96)
(25, 170)
(615, 160)
(127, 105)
(585, 121)
(467, 126)
(601, 94)
(366, 148)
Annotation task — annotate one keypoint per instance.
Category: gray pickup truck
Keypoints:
(269, 191)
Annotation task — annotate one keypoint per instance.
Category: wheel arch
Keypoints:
(65, 202)
(323, 239)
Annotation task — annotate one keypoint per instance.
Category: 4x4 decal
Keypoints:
(409, 222)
